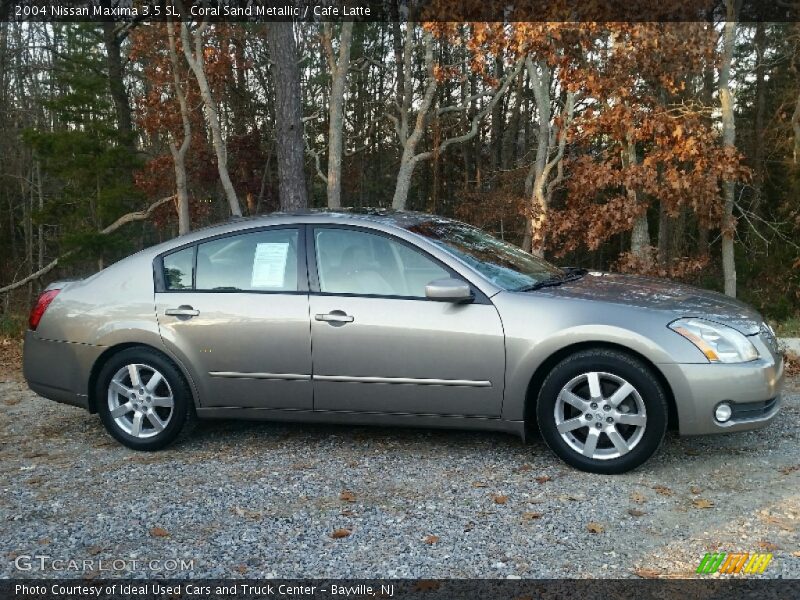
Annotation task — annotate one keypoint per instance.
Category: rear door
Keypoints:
(234, 309)
(380, 346)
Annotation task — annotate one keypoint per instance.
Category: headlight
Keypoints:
(719, 343)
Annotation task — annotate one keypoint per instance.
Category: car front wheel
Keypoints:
(143, 399)
(602, 411)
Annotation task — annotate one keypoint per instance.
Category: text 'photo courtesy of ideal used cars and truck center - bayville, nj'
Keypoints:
(399, 299)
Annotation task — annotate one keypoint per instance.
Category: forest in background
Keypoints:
(670, 149)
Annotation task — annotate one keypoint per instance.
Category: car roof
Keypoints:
(398, 218)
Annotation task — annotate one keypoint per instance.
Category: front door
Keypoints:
(380, 346)
(234, 309)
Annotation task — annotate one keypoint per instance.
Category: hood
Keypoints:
(664, 295)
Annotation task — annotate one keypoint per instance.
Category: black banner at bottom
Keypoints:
(433, 589)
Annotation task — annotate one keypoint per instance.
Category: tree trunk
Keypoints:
(339, 70)
(288, 117)
(113, 45)
(758, 122)
(729, 141)
(511, 134)
(195, 60)
(179, 154)
(539, 76)
(640, 235)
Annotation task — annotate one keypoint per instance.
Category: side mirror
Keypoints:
(449, 290)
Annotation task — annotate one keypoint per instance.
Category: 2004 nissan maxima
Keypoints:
(398, 319)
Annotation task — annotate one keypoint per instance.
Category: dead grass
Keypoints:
(10, 359)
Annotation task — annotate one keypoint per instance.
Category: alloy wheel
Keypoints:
(140, 400)
(600, 415)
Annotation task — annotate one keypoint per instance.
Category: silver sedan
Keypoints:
(398, 319)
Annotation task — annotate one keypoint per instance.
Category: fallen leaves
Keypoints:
(543, 479)
(782, 523)
(645, 573)
(479, 484)
(530, 516)
(595, 527)
(347, 496)
(431, 539)
(768, 546)
(499, 498)
(340, 533)
(663, 490)
(695, 489)
(635, 512)
(159, 532)
(702, 503)
(638, 497)
(790, 469)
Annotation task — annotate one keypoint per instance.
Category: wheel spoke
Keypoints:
(136, 426)
(591, 442)
(122, 409)
(120, 389)
(571, 425)
(163, 401)
(623, 392)
(632, 419)
(574, 400)
(153, 383)
(133, 371)
(158, 424)
(619, 442)
(594, 385)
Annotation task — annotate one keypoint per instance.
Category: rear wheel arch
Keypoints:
(112, 351)
(538, 377)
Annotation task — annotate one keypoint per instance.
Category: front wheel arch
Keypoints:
(112, 351)
(538, 377)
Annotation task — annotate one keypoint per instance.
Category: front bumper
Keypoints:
(59, 370)
(753, 389)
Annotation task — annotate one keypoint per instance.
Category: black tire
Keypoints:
(616, 364)
(182, 416)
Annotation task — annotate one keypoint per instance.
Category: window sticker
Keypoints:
(269, 265)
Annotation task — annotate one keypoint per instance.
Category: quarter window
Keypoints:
(259, 261)
(355, 262)
(178, 269)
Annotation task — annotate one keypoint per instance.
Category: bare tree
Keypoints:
(288, 116)
(338, 68)
(729, 141)
(550, 145)
(131, 217)
(179, 153)
(195, 59)
(410, 138)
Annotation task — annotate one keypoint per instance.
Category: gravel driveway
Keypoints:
(261, 499)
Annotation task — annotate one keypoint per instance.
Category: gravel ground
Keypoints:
(262, 500)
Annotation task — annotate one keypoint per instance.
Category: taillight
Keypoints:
(41, 305)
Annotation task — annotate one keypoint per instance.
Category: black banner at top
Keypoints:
(398, 10)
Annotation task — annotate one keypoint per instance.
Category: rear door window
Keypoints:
(263, 261)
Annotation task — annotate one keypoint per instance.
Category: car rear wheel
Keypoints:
(143, 399)
(602, 411)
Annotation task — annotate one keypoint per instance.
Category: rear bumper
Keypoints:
(753, 390)
(59, 370)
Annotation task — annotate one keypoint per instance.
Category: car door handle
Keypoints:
(336, 316)
(182, 311)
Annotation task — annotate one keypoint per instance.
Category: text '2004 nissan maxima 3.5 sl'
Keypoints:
(398, 319)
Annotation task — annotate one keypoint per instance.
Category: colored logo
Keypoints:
(734, 562)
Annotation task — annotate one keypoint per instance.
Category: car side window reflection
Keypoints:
(356, 262)
(178, 268)
(263, 261)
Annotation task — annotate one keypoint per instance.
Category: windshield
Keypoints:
(504, 264)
